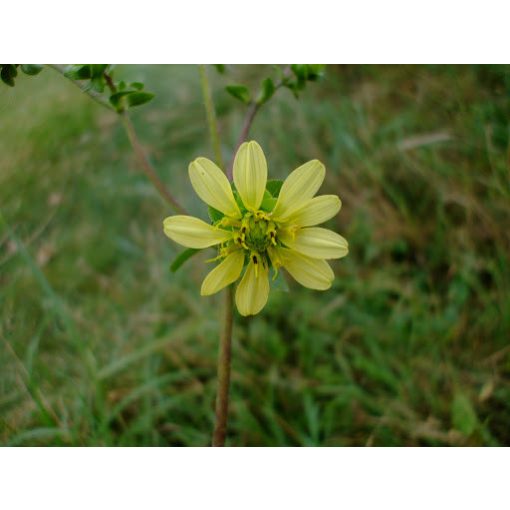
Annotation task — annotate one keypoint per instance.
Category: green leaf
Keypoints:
(315, 71)
(238, 199)
(79, 72)
(221, 68)
(31, 69)
(181, 258)
(97, 83)
(464, 416)
(138, 98)
(214, 214)
(239, 92)
(268, 202)
(274, 186)
(122, 85)
(300, 70)
(137, 85)
(134, 98)
(267, 91)
(97, 70)
(115, 99)
(8, 74)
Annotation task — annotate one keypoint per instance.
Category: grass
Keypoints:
(101, 345)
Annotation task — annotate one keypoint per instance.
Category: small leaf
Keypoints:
(315, 71)
(300, 70)
(138, 98)
(267, 91)
(137, 85)
(122, 85)
(268, 202)
(116, 99)
(274, 186)
(221, 68)
(238, 199)
(79, 72)
(97, 83)
(8, 74)
(214, 214)
(31, 69)
(97, 70)
(239, 92)
(181, 258)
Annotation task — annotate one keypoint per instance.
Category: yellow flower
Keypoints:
(256, 231)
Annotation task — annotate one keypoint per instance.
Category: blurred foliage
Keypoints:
(8, 72)
(101, 344)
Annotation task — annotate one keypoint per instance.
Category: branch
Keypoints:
(142, 158)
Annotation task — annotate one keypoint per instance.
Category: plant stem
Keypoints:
(146, 165)
(211, 115)
(225, 347)
(142, 158)
(224, 358)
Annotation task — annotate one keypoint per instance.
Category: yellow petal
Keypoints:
(212, 186)
(250, 174)
(312, 273)
(299, 187)
(223, 274)
(316, 211)
(253, 291)
(193, 232)
(316, 242)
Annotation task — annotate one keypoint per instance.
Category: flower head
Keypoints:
(256, 229)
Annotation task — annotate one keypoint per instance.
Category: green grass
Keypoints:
(100, 344)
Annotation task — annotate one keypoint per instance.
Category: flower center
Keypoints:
(257, 232)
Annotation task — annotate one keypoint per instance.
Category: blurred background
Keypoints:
(100, 344)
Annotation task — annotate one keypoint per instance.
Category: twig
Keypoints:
(94, 95)
(133, 137)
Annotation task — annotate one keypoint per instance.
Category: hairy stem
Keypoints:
(211, 115)
(143, 161)
(224, 358)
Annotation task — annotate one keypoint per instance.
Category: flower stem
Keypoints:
(143, 161)
(211, 115)
(224, 358)
(225, 348)
(225, 352)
